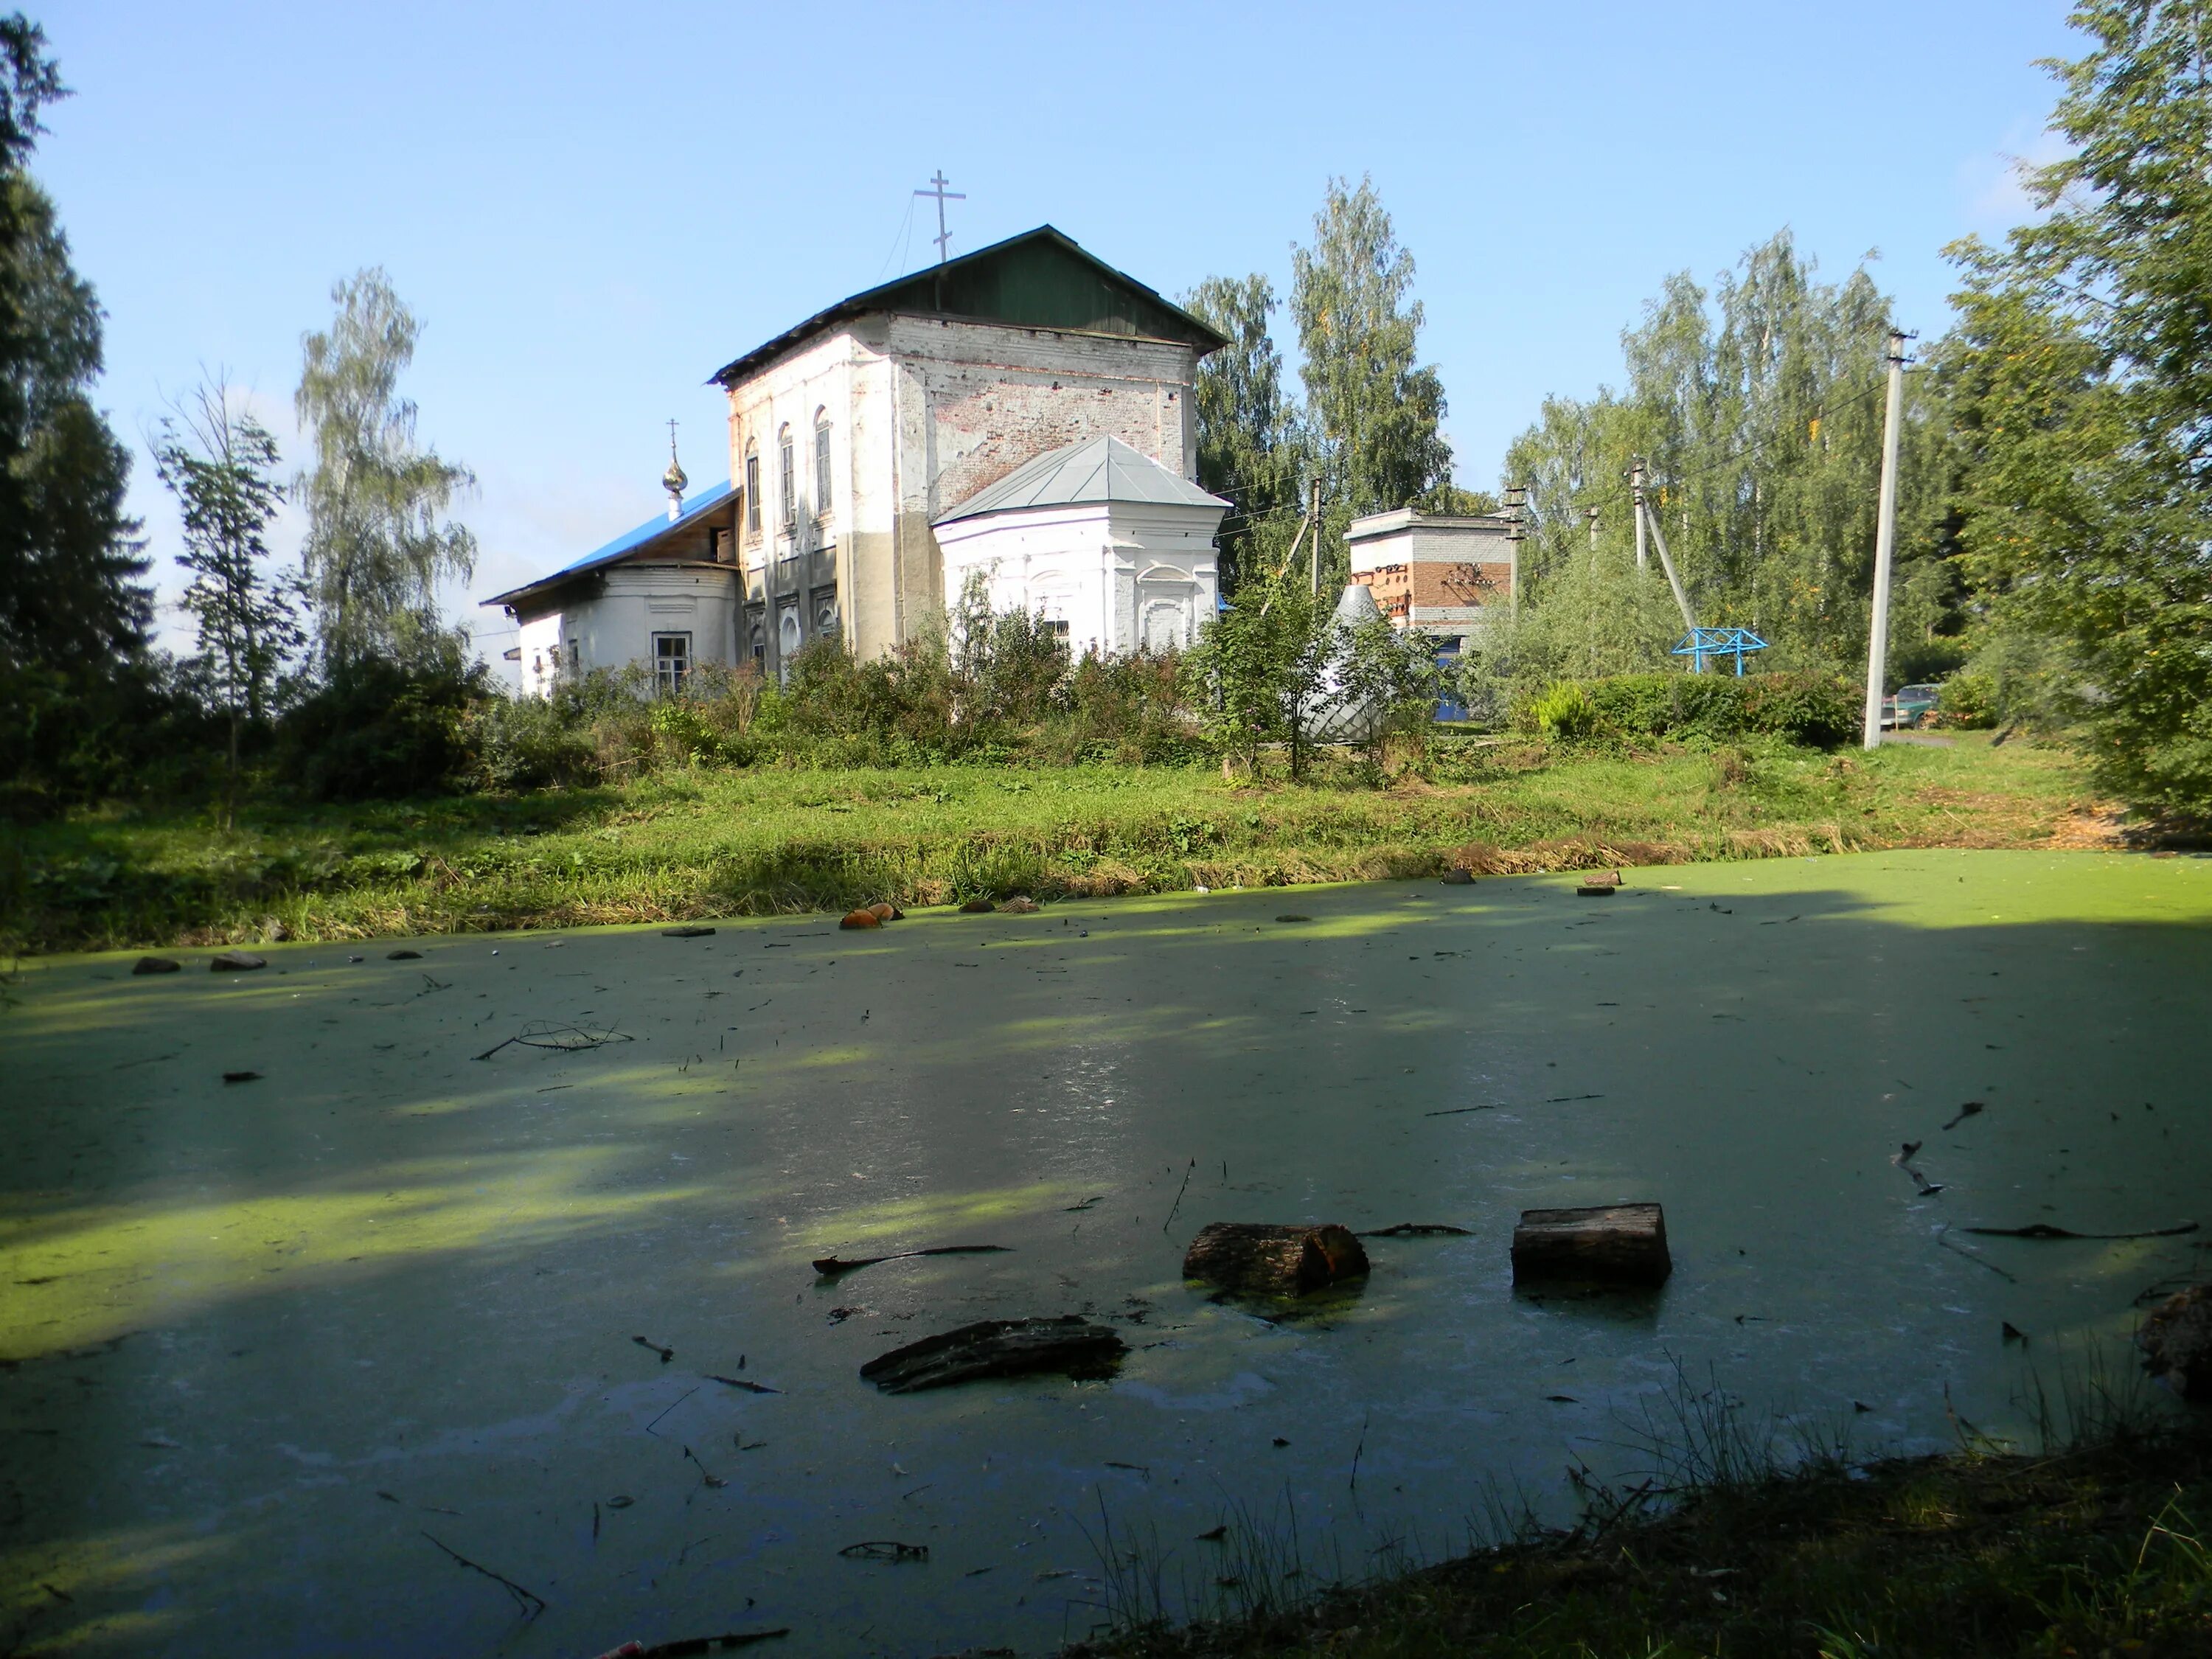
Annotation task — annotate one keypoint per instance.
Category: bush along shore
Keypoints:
(2103, 1547)
(689, 841)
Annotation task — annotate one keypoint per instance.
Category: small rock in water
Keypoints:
(156, 965)
(403, 956)
(241, 1076)
(237, 961)
(686, 933)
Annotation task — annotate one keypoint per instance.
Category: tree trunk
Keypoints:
(1615, 1243)
(1248, 1256)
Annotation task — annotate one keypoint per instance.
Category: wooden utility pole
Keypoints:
(1885, 543)
(1636, 488)
(1517, 533)
(1590, 513)
(1314, 518)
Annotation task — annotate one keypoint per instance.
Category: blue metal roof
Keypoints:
(695, 506)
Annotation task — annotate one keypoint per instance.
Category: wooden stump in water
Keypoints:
(1612, 1243)
(2177, 1343)
(999, 1347)
(1242, 1255)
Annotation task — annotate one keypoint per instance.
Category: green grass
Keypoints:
(703, 843)
(2104, 1551)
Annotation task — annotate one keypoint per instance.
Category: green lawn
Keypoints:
(705, 843)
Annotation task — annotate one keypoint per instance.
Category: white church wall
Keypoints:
(616, 626)
(1122, 577)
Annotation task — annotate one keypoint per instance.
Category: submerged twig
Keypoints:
(1417, 1229)
(829, 1265)
(1177, 1205)
(2044, 1230)
(544, 1034)
(524, 1599)
(1975, 1257)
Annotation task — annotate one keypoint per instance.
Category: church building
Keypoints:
(1023, 414)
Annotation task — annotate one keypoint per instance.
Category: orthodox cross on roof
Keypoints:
(938, 181)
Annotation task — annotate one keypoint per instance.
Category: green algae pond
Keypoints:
(279, 1357)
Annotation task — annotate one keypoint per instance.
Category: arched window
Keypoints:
(787, 478)
(752, 488)
(821, 463)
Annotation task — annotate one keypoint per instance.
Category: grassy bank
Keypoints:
(706, 842)
(2104, 1551)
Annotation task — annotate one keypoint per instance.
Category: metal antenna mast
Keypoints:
(938, 181)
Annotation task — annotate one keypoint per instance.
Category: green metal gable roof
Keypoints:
(1039, 279)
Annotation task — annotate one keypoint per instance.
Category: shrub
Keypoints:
(384, 729)
(1562, 711)
(526, 742)
(1968, 703)
(1818, 710)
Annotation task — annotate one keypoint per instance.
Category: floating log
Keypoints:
(1604, 884)
(2177, 1342)
(237, 961)
(1242, 1256)
(1616, 1243)
(687, 932)
(1419, 1230)
(999, 1347)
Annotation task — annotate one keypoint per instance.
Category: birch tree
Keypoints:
(378, 539)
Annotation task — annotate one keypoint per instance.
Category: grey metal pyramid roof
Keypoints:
(1095, 470)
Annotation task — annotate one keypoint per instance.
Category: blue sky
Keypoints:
(592, 208)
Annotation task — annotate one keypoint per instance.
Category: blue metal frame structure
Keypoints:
(1702, 642)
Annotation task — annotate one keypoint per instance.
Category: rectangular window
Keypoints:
(821, 471)
(672, 662)
(575, 657)
(789, 480)
(1055, 630)
(752, 494)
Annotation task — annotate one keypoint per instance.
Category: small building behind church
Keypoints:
(1024, 413)
(1444, 577)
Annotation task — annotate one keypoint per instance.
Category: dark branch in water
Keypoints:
(2044, 1230)
(829, 1265)
(529, 1601)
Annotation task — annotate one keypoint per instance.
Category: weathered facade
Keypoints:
(1440, 576)
(853, 433)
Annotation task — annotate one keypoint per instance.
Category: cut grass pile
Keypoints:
(701, 843)
(2105, 1551)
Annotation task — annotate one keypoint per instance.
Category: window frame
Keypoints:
(822, 480)
(667, 682)
(753, 489)
(787, 478)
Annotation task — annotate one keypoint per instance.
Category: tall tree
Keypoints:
(378, 541)
(1373, 412)
(1248, 452)
(2083, 369)
(73, 611)
(219, 463)
(1757, 407)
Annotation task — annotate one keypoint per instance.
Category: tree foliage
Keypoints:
(378, 541)
(219, 463)
(1757, 407)
(1249, 448)
(2080, 374)
(73, 611)
(1373, 413)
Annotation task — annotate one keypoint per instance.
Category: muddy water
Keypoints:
(270, 1344)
